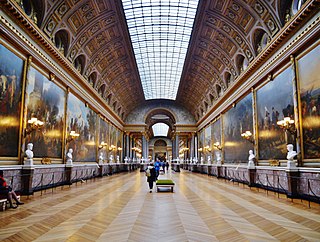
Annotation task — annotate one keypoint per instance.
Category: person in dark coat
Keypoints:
(151, 176)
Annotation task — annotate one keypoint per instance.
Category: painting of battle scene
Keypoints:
(45, 101)
(207, 143)
(216, 137)
(82, 120)
(274, 102)
(11, 72)
(309, 80)
(236, 121)
(104, 137)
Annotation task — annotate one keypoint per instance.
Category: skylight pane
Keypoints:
(160, 32)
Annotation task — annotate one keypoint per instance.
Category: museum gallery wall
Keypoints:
(60, 111)
(274, 100)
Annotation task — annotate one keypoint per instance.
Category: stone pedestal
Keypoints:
(27, 178)
(68, 173)
(252, 176)
(293, 178)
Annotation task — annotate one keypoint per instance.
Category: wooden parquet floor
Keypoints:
(120, 208)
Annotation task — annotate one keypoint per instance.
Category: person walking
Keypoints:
(151, 176)
(157, 167)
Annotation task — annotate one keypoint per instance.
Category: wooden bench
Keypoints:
(165, 183)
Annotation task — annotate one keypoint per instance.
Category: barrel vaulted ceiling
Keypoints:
(227, 36)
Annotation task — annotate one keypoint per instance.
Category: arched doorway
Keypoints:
(160, 150)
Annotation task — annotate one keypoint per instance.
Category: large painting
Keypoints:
(216, 137)
(274, 102)
(236, 121)
(46, 102)
(82, 120)
(201, 144)
(309, 79)
(11, 71)
(104, 137)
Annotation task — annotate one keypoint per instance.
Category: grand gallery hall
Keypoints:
(159, 120)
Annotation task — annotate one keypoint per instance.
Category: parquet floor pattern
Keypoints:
(120, 208)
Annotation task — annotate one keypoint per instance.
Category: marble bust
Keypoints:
(69, 157)
(291, 154)
(29, 154)
(251, 159)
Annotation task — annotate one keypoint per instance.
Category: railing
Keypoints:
(47, 181)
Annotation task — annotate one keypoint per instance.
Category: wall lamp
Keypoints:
(34, 124)
(136, 149)
(207, 148)
(287, 124)
(119, 148)
(102, 144)
(217, 145)
(72, 136)
(248, 136)
(112, 147)
(200, 149)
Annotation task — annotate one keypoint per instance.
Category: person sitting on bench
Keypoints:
(7, 190)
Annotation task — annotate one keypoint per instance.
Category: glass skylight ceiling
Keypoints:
(160, 32)
(160, 129)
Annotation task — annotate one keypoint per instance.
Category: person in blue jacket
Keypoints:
(157, 167)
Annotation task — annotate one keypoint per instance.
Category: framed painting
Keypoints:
(11, 74)
(82, 120)
(274, 102)
(201, 144)
(45, 101)
(216, 136)
(104, 137)
(236, 121)
(309, 81)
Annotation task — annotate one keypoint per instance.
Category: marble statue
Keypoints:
(118, 159)
(209, 159)
(251, 159)
(201, 160)
(29, 154)
(291, 154)
(69, 157)
(111, 158)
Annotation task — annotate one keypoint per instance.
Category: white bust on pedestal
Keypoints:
(29, 154)
(111, 158)
(291, 154)
(218, 158)
(69, 157)
(209, 159)
(101, 159)
(201, 160)
(126, 160)
(251, 159)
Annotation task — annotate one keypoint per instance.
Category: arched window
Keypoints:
(92, 79)
(296, 5)
(228, 78)
(79, 63)
(61, 40)
(260, 40)
(34, 9)
(241, 63)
